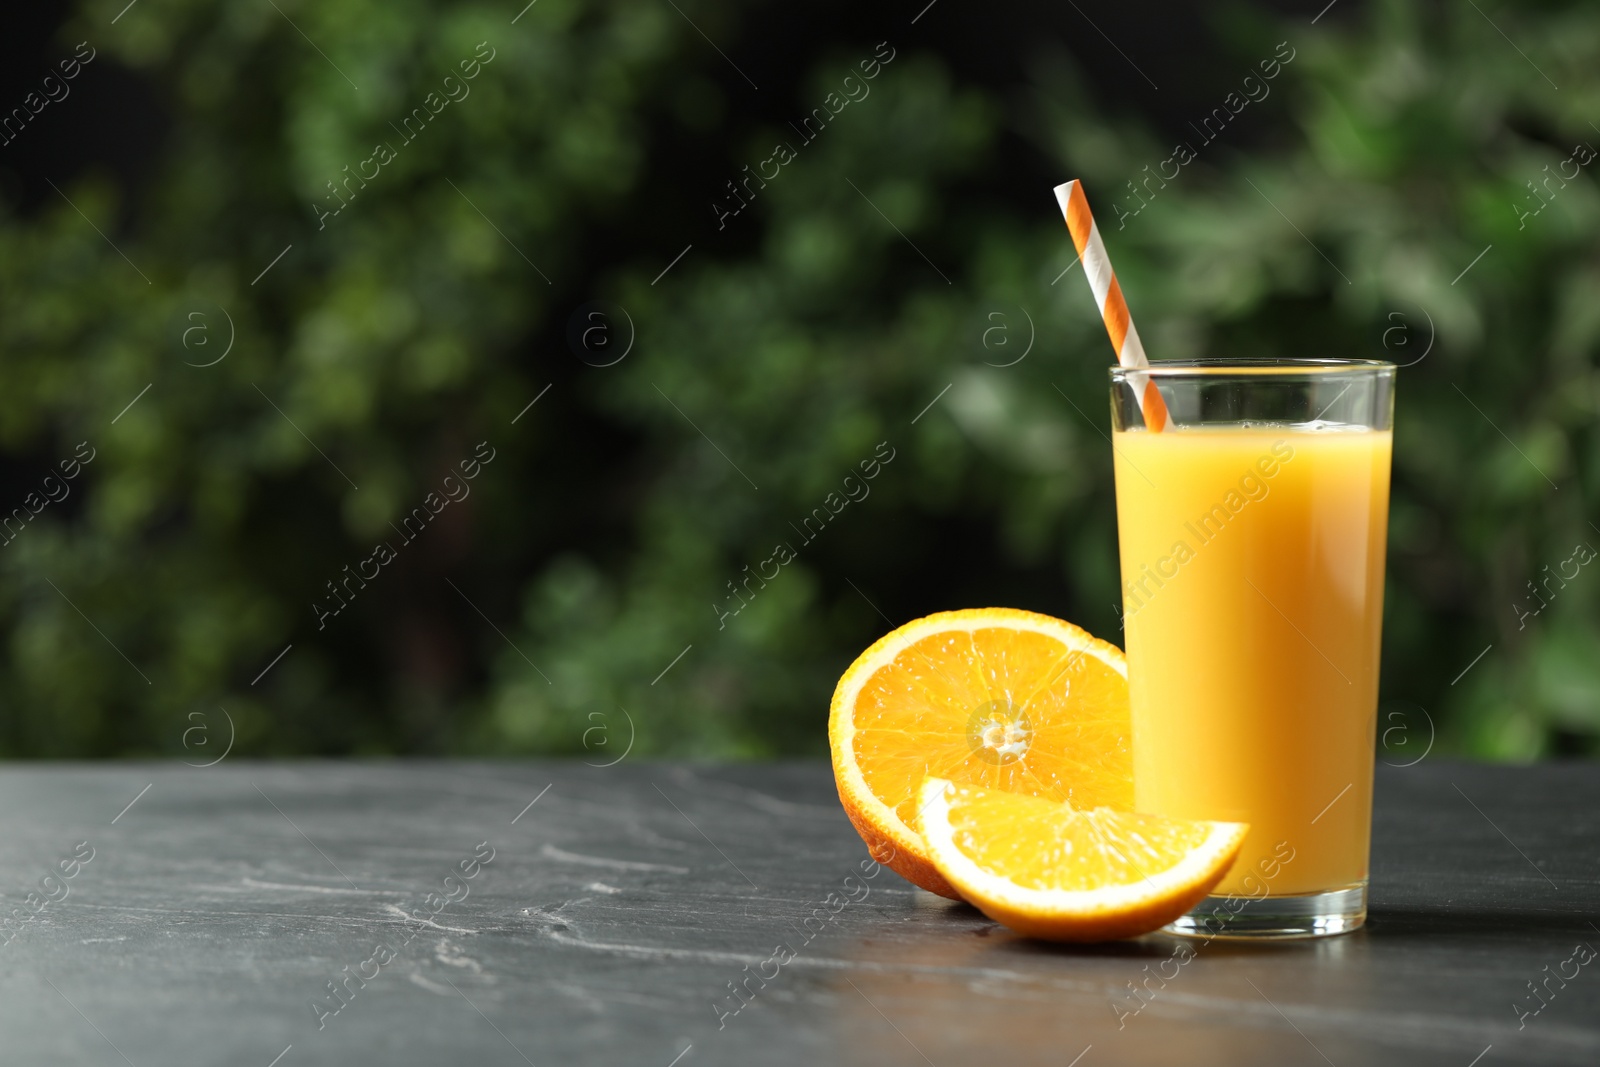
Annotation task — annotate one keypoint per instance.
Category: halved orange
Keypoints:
(1047, 870)
(993, 697)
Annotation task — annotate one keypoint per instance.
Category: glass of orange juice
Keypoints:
(1252, 529)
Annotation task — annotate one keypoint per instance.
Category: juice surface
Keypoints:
(1252, 568)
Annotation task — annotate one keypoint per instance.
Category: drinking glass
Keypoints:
(1252, 529)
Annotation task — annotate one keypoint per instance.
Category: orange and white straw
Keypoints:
(1108, 296)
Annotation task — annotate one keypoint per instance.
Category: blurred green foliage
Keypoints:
(766, 364)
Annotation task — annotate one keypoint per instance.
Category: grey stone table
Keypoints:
(554, 913)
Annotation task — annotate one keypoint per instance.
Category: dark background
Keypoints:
(573, 601)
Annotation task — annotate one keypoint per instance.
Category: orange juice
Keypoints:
(1252, 568)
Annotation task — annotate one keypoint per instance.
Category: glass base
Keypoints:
(1337, 911)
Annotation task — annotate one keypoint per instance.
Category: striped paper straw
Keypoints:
(1108, 296)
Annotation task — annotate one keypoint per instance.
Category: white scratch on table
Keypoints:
(400, 913)
(583, 996)
(551, 852)
(432, 987)
(251, 883)
(451, 955)
(771, 804)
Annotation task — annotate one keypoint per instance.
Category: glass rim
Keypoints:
(1215, 367)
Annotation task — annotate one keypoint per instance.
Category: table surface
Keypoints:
(605, 924)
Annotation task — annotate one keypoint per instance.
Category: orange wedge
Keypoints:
(992, 697)
(1047, 870)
